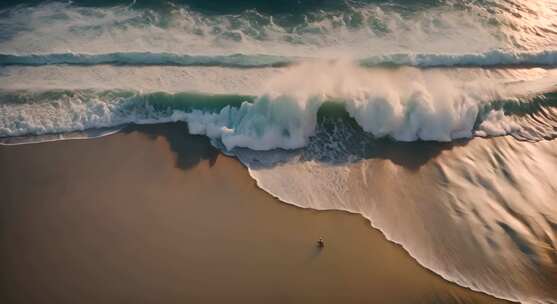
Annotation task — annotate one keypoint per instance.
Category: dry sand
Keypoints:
(154, 215)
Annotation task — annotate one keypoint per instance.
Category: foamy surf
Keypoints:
(404, 104)
(373, 108)
(467, 211)
(494, 58)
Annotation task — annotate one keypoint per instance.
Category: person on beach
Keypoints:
(320, 243)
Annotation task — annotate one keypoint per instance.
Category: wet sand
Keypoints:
(153, 215)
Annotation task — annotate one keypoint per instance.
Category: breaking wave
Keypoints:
(146, 58)
(406, 104)
(272, 121)
(322, 118)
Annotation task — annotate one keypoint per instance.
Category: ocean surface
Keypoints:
(313, 96)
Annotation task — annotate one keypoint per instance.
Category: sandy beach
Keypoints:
(153, 215)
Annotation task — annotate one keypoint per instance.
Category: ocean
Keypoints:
(460, 96)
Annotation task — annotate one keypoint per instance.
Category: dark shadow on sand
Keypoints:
(192, 149)
(411, 155)
(314, 254)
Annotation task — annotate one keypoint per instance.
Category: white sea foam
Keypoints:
(145, 79)
(479, 214)
(359, 32)
(405, 104)
(493, 58)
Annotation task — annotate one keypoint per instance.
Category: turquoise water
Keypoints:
(436, 120)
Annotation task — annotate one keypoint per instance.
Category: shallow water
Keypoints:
(433, 119)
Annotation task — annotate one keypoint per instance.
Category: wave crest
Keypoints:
(494, 58)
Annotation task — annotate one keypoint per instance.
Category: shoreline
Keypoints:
(88, 214)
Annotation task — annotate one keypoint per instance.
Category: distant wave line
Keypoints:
(494, 58)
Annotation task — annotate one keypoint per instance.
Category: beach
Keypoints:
(154, 215)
